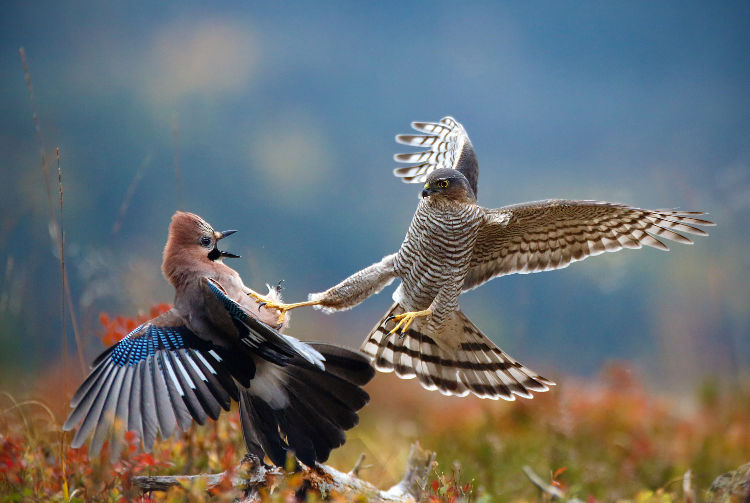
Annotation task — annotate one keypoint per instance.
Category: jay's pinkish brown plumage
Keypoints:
(214, 346)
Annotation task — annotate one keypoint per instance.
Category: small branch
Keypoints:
(252, 474)
(357, 466)
(418, 466)
(164, 482)
(249, 474)
(549, 489)
(687, 487)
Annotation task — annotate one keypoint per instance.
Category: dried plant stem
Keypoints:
(62, 261)
(67, 298)
(129, 194)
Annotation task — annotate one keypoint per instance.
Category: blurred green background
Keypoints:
(278, 119)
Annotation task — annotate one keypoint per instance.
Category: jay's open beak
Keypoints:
(222, 235)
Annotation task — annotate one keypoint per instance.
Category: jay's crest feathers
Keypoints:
(192, 244)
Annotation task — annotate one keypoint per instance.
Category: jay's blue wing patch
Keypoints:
(145, 340)
(158, 377)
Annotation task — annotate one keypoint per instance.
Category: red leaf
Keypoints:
(559, 472)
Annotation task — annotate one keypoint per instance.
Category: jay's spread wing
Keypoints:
(162, 375)
(449, 147)
(159, 376)
(551, 234)
(261, 338)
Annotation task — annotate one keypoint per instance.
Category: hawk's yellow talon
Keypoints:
(405, 320)
(258, 297)
(281, 308)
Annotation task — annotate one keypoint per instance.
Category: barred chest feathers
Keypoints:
(437, 249)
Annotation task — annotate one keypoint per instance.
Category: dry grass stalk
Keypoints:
(55, 228)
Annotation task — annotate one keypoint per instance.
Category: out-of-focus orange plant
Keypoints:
(117, 327)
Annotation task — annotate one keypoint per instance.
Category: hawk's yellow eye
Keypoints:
(443, 184)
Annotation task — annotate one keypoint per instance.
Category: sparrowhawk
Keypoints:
(454, 245)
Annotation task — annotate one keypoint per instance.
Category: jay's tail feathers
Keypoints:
(455, 360)
(303, 409)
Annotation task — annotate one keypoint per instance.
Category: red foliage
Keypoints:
(555, 481)
(449, 490)
(116, 328)
(11, 459)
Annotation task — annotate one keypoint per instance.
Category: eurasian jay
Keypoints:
(215, 345)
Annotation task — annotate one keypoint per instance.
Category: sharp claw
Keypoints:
(390, 318)
(261, 305)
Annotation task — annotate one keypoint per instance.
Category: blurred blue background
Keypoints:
(278, 119)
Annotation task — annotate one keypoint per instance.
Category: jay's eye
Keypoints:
(205, 241)
(443, 184)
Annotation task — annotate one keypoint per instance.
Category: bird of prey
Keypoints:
(212, 347)
(454, 245)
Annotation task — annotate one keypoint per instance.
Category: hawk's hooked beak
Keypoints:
(218, 253)
(427, 191)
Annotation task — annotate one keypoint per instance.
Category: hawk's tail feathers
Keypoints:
(464, 361)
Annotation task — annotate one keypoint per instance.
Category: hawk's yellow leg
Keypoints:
(405, 320)
(282, 308)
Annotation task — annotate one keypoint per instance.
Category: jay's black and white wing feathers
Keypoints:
(158, 377)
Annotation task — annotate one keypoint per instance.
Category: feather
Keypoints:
(164, 410)
(551, 234)
(472, 363)
(148, 404)
(449, 147)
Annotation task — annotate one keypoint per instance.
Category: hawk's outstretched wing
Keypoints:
(449, 147)
(545, 235)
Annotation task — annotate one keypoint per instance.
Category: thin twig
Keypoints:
(62, 262)
(535, 479)
(129, 194)
(687, 487)
(357, 466)
(67, 298)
